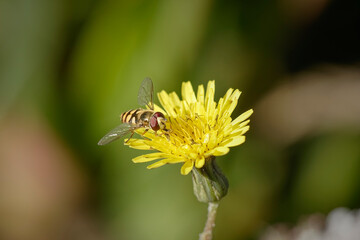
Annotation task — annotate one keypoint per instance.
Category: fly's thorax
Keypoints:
(145, 115)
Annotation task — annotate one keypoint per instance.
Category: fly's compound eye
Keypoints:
(154, 124)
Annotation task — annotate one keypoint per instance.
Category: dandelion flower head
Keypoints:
(199, 128)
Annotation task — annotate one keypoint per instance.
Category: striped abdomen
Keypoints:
(137, 116)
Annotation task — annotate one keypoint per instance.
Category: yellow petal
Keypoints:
(138, 144)
(206, 138)
(192, 155)
(219, 151)
(235, 141)
(224, 102)
(240, 131)
(187, 167)
(199, 163)
(242, 117)
(175, 100)
(149, 157)
(187, 92)
(233, 102)
(244, 123)
(199, 109)
(157, 164)
(201, 94)
(175, 160)
(186, 108)
(209, 97)
(213, 140)
(167, 103)
(157, 108)
(228, 94)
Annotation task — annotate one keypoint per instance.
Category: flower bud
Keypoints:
(210, 185)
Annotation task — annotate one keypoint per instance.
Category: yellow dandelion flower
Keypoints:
(198, 128)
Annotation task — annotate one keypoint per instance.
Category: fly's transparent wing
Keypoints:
(116, 133)
(146, 92)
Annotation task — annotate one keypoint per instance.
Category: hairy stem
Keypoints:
(210, 222)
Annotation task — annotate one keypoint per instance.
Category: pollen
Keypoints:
(197, 128)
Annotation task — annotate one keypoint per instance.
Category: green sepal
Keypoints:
(210, 184)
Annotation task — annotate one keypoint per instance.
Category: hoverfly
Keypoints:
(138, 118)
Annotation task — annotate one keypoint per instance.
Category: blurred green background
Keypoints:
(68, 69)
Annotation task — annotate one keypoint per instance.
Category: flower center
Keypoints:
(195, 134)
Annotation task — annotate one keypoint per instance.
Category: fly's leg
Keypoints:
(164, 132)
(130, 137)
(143, 134)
